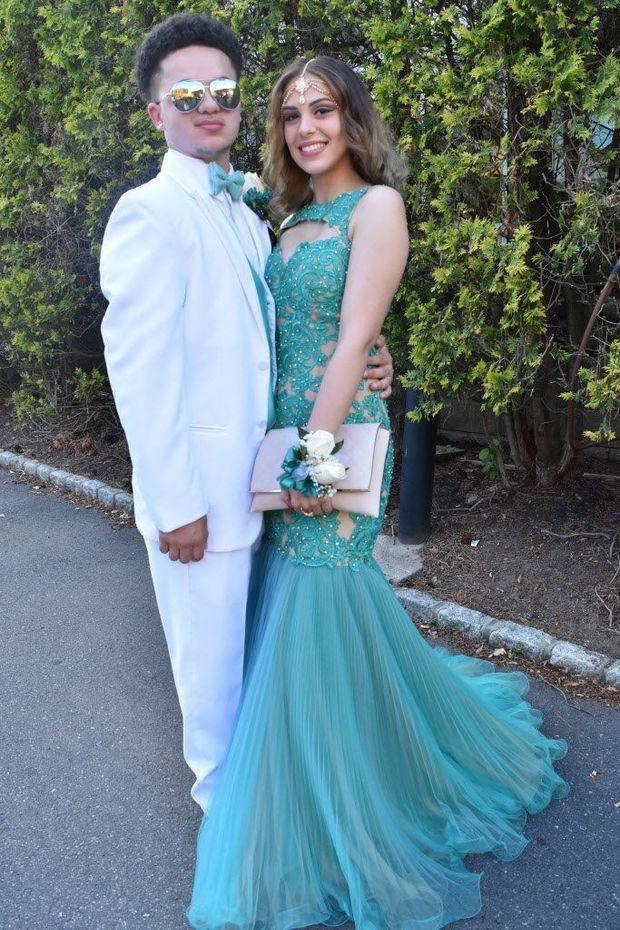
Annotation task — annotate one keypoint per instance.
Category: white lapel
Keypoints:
(258, 231)
(262, 244)
(192, 175)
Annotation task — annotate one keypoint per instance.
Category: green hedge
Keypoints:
(505, 110)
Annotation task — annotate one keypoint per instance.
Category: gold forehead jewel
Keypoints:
(303, 84)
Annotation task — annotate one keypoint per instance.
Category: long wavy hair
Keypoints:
(369, 140)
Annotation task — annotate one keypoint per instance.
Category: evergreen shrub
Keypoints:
(507, 112)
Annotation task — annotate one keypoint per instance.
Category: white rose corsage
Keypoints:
(256, 195)
(312, 467)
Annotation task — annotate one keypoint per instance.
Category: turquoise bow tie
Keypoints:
(222, 181)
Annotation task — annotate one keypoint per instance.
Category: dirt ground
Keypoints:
(547, 558)
(99, 453)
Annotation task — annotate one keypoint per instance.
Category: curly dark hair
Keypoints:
(178, 32)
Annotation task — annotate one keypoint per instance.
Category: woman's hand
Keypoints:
(308, 506)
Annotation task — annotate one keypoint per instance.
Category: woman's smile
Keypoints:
(312, 148)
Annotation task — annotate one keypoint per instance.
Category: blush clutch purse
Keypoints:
(365, 447)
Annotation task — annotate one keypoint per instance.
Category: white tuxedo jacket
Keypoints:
(187, 352)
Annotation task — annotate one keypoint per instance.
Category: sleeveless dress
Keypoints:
(364, 763)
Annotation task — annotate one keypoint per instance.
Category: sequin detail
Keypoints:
(308, 290)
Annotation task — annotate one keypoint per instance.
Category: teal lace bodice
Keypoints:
(308, 289)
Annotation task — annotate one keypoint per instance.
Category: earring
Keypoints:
(160, 125)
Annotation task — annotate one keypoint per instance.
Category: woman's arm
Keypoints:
(380, 244)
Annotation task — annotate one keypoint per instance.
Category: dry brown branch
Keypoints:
(572, 535)
(607, 608)
(570, 438)
(570, 704)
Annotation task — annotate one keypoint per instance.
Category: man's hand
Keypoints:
(380, 369)
(187, 543)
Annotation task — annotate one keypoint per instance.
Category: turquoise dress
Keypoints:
(364, 763)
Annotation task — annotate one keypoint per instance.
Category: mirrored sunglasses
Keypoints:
(188, 95)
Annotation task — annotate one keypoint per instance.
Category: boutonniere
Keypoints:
(256, 195)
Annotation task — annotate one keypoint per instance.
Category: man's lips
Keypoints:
(209, 124)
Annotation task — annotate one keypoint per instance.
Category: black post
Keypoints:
(417, 473)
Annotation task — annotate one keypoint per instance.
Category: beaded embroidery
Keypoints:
(308, 292)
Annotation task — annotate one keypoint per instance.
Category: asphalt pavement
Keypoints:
(97, 828)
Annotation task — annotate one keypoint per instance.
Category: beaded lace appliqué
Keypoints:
(308, 291)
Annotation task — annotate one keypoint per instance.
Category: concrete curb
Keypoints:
(527, 640)
(87, 488)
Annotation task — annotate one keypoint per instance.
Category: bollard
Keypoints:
(416, 476)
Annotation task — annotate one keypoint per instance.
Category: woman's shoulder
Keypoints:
(380, 196)
(380, 202)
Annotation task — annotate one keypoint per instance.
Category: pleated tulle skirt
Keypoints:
(364, 765)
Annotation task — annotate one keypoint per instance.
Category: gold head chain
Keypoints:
(303, 84)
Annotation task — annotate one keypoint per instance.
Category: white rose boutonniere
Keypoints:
(252, 182)
(256, 195)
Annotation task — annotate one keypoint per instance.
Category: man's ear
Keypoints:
(154, 112)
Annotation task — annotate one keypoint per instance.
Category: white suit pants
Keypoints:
(202, 607)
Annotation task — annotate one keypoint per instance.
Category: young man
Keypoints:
(189, 346)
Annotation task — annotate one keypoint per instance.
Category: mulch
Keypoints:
(545, 557)
(97, 453)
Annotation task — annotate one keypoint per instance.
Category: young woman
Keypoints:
(364, 763)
